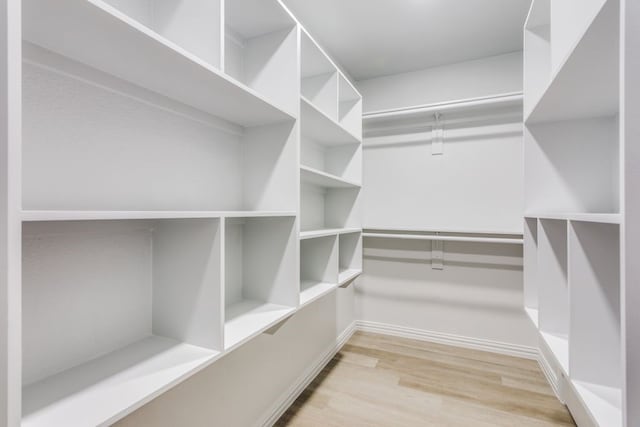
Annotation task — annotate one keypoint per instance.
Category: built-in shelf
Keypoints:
(34, 216)
(604, 403)
(312, 290)
(321, 128)
(322, 179)
(533, 315)
(559, 346)
(110, 41)
(565, 98)
(605, 218)
(312, 234)
(248, 318)
(348, 275)
(105, 389)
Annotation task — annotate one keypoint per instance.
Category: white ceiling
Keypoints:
(372, 38)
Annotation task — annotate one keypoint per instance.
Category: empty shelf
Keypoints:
(106, 389)
(311, 291)
(607, 218)
(603, 402)
(322, 179)
(559, 346)
(311, 234)
(96, 34)
(348, 275)
(73, 215)
(248, 318)
(321, 128)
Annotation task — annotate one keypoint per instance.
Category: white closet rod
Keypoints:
(494, 100)
(506, 240)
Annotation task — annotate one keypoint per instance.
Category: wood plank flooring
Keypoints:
(376, 380)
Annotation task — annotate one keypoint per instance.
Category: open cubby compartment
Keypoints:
(350, 260)
(261, 275)
(595, 318)
(115, 311)
(318, 267)
(88, 141)
(569, 22)
(343, 161)
(553, 291)
(349, 106)
(329, 208)
(530, 266)
(192, 25)
(319, 78)
(537, 53)
(261, 48)
(573, 166)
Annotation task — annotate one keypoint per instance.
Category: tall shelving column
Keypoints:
(330, 175)
(573, 199)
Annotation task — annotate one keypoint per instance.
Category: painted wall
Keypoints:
(479, 293)
(487, 76)
(243, 388)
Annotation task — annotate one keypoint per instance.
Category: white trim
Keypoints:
(450, 339)
(281, 406)
(550, 375)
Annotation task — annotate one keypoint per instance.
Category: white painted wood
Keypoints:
(630, 228)
(441, 238)
(315, 177)
(318, 267)
(329, 208)
(99, 36)
(105, 389)
(530, 266)
(552, 278)
(603, 218)
(565, 97)
(572, 166)
(322, 128)
(349, 107)
(603, 403)
(10, 204)
(595, 320)
(537, 53)
(261, 50)
(192, 25)
(249, 318)
(312, 234)
(319, 77)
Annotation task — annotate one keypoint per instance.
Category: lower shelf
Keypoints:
(559, 346)
(311, 291)
(348, 275)
(249, 318)
(106, 389)
(603, 402)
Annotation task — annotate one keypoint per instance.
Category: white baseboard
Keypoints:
(305, 379)
(550, 374)
(449, 339)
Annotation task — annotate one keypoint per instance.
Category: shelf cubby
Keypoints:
(553, 290)
(260, 50)
(316, 177)
(564, 98)
(530, 266)
(595, 318)
(117, 312)
(319, 83)
(318, 268)
(261, 276)
(328, 208)
(312, 234)
(194, 164)
(100, 36)
(537, 53)
(573, 167)
(349, 107)
(350, 259)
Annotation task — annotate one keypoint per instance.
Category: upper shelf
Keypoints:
(39, 216)
(584, 87)
(321, 128)
(323, 179)
(98, 35)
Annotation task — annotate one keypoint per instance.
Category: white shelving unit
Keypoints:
(160, 206)
(330, 175)
(574, 199)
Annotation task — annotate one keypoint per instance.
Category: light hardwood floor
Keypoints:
(376, 380)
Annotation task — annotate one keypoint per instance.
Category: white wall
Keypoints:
(487, 76)
(479, 293)
(242, 388)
